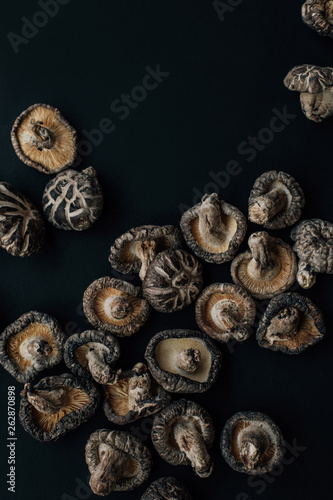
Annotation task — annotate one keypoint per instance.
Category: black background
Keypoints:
(225, 80)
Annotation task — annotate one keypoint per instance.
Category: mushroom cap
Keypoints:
(122, 256)
(230, 446)
(309, 78)
(234, 297)
(22, 227)
(73, 200)
(309, 330)
(173, 281)
(160, 356)
(52, 160)
(14, 345)
(317, 14)
(83, 399)
(96, 304)
(292, 212)
(166, 488)
(235, 223)
(314, 244)
(139, 456)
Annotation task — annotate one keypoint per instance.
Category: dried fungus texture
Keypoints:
(22, 228)
(318, 15)
(43, 139)
(166, 488)
(31, 344)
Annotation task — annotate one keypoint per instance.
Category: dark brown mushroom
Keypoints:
(117, 461)
(31, 344)
(43, 139)
(166, 488)
(318, 15)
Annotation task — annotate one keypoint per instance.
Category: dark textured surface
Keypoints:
(166, 488)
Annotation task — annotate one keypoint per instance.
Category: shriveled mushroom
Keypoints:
(182, 433)
(314, 247)
(43, 139)
(290, 324)
(318, 15)
(133, 396)
(166, 488)
(213, 229)
(183, 361)
(252, 443)
(315, 85)
(268, 269)
(134, 251)
(276, 200)
(57, 405)
(173, 281)
(225, 311)
(116, 461)
(31, 344)
(115, 306)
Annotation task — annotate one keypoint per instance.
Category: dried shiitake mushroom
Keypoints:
(182, 433)
(56, 405)
(43, 139)
(314, 247)
(173, 281)
(115, 306)
(318, 15)
(213, 229)
(268, 269)
(31, 344)
(92, 355)
(225, 311)
(290, 324)
(73, 200)
(276, 200)
(134, 395)
(166, 488)
(183, 360)
(252, 443)
(116, 461)
(22, 228)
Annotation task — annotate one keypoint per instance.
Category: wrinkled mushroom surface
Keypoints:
(166, 488)
(252, 443)
(318, 15)
(31, 344)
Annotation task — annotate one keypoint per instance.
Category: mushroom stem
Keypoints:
(146, 251)
(139, 386)
(253, 443)
(261, 265)
(34, 348)
(318, 106)
(223, 315)
(306, 276)
(267, 206)
(49, 402)
(120, 307)
(211, 224)
(284, 325)
(188, 360)
(41, 137)
(109, 471)
(100, 371)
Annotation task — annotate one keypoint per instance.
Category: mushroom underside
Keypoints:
(235, 443)
(104, 304)
(220, 246)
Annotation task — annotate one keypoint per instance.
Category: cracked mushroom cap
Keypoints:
(225, 311)
(318, 15)
(166, 488)
(213, 229)
(252, 443)
(134, 251)
(116, 461)
(276, 200)
(57, 405)
(43, 139)
(115, 306)
(182, 433)
(134, 395)
(92, 355)
(268, 269)
(290, 324)
(173, 281)
(183, 361)
(31, 344)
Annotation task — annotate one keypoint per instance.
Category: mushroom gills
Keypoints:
(252, 444)
(276, 200)
(226, 316)
(292, 328)
(214, 236)
(114, 307)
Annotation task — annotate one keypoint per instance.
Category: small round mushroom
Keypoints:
(134, 251)
(314, 247)
(173, 281)
(43, 139)
(31, 344)
(22, 228)
(183, 361)
(56, 405)
(92, 355)
(182, 433)
(290, 324)
(252, 443)
(134, 395)
(318, 15)
(73, 200)
(115, 306)
(166, 488)
(225, 311)
(315, 86)
(213, 229)
(268, 269)
(116, 461)
(276, 200)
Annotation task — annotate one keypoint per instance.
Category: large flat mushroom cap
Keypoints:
(309, 78)
(318, 15)
(166, 488)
